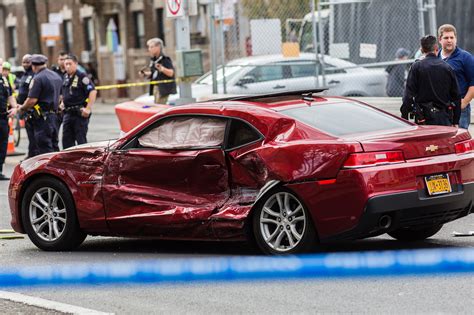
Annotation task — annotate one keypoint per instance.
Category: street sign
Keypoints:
(174, 8)
(55, 18)
(50, 31)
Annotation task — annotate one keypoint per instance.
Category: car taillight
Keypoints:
(464, 147)
(366, 159)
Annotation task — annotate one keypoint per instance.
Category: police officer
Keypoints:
(79, 95)
(161, 68)
(432, 90)
(23, 89)
(60, 68)
(43, 101)
(5, 99)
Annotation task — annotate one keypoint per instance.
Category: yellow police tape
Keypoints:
(125, 85)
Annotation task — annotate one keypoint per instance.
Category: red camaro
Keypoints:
(285, 170)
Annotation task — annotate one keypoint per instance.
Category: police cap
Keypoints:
(38, 59)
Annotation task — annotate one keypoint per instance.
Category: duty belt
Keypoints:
(76, 108)
(37, 113)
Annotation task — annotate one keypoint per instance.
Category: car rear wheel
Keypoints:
(49, 216)
(282, 224)
(413, 234)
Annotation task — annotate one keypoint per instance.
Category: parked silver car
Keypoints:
(275, 73)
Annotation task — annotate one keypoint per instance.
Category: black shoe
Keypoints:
(3, 177)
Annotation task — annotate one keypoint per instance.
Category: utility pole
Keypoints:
(33, 29)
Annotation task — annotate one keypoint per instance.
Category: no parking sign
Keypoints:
(174, 8)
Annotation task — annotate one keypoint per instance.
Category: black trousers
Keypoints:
(45, 134)
(74, 129)
(440, 118)
(4, 133)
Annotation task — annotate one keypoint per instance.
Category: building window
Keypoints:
(13, 41)
(160, 24)
(139, 24)
(68, 37)
(89, 38)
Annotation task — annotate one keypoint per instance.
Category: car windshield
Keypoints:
(341, 119)
(230, 72)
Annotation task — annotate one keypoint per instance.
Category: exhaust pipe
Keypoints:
(385, 221)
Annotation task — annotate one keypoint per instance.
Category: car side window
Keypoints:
(267, 73)
(190, 133)
(240, 134)
(331, 69)
(304, 68)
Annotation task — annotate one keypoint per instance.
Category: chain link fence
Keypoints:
(352, 47)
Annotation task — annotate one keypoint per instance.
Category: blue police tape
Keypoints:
(387, 263)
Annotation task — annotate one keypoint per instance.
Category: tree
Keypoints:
(33, 30)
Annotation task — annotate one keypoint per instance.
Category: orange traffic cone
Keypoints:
(11, 141)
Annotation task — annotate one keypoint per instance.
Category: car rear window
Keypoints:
(341, 119)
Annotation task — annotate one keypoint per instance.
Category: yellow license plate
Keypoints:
(438, 184)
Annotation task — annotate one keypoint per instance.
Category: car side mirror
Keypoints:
(246, 80)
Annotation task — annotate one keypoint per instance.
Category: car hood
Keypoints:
(92, 145)
(71, 158)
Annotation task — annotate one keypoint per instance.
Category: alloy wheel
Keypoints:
(48, 214)
(282, 221)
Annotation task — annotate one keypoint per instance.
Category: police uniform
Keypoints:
(58, 71)
(23, 90)
(5, 92)
(432, 91)
(75, 91)
(46, 87)
(164, 89)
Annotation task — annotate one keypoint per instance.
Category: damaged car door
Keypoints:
(169, 179)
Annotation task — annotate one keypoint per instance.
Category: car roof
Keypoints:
(265, 59)
(267, 102)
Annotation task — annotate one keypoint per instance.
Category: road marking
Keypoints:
(11, 237)
(47, 304)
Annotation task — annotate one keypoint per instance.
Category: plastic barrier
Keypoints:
(387, 263)
(131, 114)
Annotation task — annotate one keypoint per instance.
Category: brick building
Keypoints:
(83, 31)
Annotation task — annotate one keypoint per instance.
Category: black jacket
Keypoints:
(164, 88)
(431, 80)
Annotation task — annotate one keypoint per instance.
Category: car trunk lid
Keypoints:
(416, 142)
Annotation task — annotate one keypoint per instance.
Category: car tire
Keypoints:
(49, 216)
(282, 224)
(413, 234)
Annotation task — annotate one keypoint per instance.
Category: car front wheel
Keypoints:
(414, 234)
(49, 216)
(282, 224)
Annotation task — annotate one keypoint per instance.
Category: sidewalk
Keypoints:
(106, 108)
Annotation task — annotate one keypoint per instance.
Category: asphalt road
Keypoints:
(419, 294)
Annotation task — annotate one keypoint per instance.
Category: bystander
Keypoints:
(462, 63)
(160, 68)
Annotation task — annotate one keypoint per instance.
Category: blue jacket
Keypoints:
(462, 63)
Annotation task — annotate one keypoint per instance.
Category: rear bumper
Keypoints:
(410, 209)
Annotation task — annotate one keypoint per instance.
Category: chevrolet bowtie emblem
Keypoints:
(431, 148)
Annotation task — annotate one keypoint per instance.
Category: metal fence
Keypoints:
(350, 46)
